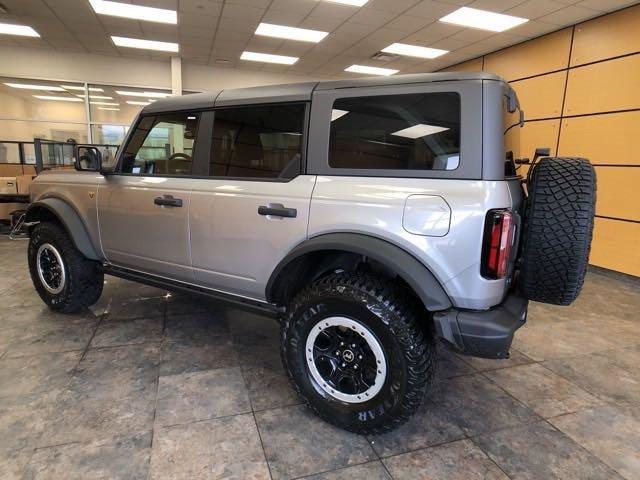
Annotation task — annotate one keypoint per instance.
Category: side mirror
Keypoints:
(87, 158)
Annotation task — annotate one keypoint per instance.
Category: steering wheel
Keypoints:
(180, 156)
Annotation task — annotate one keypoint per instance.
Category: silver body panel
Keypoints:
(233, 248)
(135, 233)
(218, 240)
(375, 206)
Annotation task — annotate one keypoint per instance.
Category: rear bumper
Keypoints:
(486, 333)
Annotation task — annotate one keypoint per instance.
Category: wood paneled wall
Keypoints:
(580, 90)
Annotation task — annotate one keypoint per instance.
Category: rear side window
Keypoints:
(257, 141)
(396, 132)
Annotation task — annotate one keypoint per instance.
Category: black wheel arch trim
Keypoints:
(414, 272)
(70, 220)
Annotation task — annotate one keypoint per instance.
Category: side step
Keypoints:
(243, 303)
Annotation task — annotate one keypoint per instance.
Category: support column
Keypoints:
(176, 75)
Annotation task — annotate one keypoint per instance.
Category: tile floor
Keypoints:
(147, 385)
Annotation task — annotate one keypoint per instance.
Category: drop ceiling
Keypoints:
(216, 32)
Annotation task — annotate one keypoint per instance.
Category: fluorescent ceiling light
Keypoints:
(146, 44)
(22, 30)
(133, 102)
(265, 57)
(109, 108)
(60, 99)
(128, 93)
(414, 50)
(111, 104)
(79, 88)
(27, 86)
(482, 19)
(370, 70)
(291, 33)
(353, 3)
(419, 130)
(136, 12)
(336, 114)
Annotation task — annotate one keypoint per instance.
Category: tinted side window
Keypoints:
(257, 142)
(162, 145)
(396, 132)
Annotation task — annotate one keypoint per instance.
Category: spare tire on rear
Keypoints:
(558, 225)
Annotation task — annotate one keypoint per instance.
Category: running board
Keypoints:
(174, 285)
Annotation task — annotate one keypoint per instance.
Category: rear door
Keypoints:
(253, 208)
(143, 208)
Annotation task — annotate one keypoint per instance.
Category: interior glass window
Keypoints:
(396, 132)
(162, 145)
(257, 142)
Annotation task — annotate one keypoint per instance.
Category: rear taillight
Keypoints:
(497, 243)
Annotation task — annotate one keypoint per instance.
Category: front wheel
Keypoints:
(65, 280)
(355, 351)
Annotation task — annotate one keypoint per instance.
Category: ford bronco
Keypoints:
(374, 217)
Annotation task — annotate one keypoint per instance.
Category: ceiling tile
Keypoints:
(434, 32)
(281, 17)
(449, 44)
(533, 9)
(330, 9)
(241, 12)
(607, 6)
(325, 24)
(494, 5)
(250, 3)
(569, 15)
(430, 10)
(355, 31)
(395, 6)
(471, 35)
(533, 29)
(189, 19)
(200, 7)
(372, 17)
(299, 6)
(407, 23)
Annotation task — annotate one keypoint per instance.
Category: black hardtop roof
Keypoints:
(292, 92)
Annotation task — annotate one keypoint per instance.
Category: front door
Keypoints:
(143, 208)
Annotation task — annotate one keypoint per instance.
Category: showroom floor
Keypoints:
(148, 385)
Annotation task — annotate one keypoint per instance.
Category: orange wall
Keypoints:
(580, 91)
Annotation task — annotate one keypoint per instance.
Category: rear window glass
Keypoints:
(396, 132)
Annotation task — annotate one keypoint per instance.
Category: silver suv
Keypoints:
(371, 216)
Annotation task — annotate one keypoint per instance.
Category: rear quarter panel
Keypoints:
(375, 206)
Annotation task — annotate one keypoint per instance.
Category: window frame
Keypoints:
(303, 144)
(471, 113)
(117, 168)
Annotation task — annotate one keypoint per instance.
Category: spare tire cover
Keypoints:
(558, 226)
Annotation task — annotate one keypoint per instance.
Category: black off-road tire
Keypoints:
(397, 321)
(558, 228)
(84, 278)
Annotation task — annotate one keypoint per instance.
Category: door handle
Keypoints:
(277, 210)
(168, 201)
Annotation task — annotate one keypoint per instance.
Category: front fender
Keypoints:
(70, 220)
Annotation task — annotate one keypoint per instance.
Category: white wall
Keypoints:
(84, 67)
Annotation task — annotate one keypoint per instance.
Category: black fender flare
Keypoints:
(409, 268)
(70, 220)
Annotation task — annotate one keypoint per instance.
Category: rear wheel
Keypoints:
(65, 280)
(354, 350)
(558, 229)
